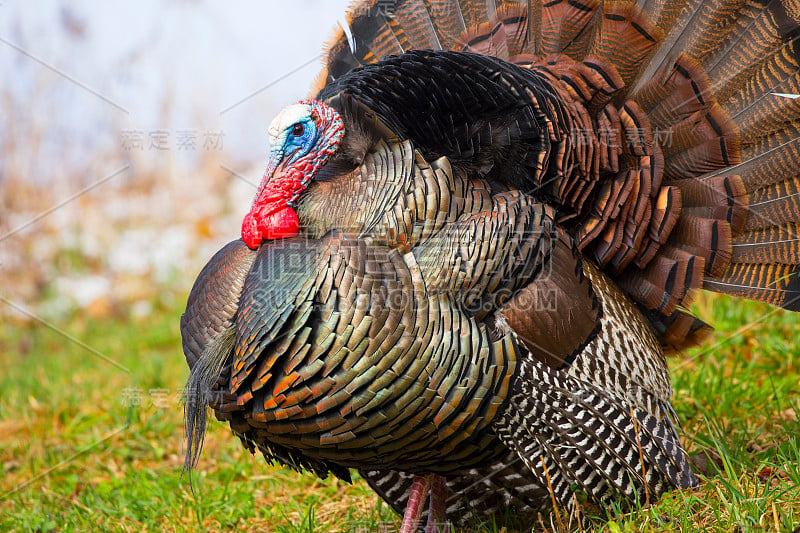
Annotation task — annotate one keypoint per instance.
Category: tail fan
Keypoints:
(696, 140)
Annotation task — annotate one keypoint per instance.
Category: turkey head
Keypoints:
(303, 138)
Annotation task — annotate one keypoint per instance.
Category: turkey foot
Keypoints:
(436, 513)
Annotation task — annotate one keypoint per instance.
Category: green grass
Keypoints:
(90, 445)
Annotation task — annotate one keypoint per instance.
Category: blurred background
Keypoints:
(133, 136)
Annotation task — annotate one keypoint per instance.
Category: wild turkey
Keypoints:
(473, 247)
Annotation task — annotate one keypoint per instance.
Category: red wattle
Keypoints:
(280, 224)
(251, 235)
(271, 217)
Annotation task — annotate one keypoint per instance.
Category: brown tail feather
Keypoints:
(448, 23)
(660, 286)
(767, 113)
(514, 18)
(776, 244)
(474, 13)
(667, 209)
(762, 42)
(699, 127)
(633, 236)
(695, 267)
(674, 93)
(698, 29)
(698, 172)
(774, 284)
(705, 237)
(534, 12)
(488, 38)
(663, 13)
(774, 205)
(608, 83)
(339, 59)
(565, 27)
(719, 197)
(625, 38)
(682, 330)
(703, 158)
(414, 27)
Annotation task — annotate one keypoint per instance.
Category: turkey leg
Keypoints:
(436, 513)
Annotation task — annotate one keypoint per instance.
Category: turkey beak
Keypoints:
(272, 168)
(272, 189)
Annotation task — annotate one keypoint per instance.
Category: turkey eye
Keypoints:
(298, 130)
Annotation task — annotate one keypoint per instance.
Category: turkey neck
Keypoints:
(332, 205)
